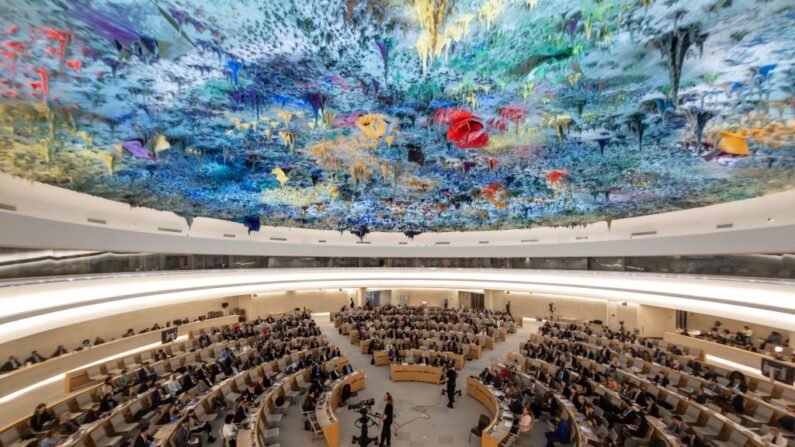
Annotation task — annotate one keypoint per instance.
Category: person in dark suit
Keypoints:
(561, 434)
(34, 358)
(107, 403)
(42, 419)
(159, 398)
(182, 436)
(626, 417)
(787, 421)
(638, 396)
(188, 382)
(145, 373)
(660, 380)
(641, 430)
(451, 376)
(60, 350)
(651, 407)
(143, 439)
(563, 375)
(738, 388)
(678, 426)
(10, 365)
(386, 421)
(699, 396)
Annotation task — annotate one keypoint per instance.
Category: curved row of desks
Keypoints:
(469, 351)
(80, 402)
(328, 403)
(757, 408)
(692, 348)
(499, 429)
(32, 374)
(694, 413)
(485, 341)
(381, 358)
(415, 373)
(582, 434)
(285, 385)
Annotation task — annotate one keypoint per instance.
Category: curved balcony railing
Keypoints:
(33, 263)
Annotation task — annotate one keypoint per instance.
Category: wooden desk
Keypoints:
(364, 345)
(474, 352)
(324, 409)
(661, 431)
(415, 373)
(497, 430)
(381, 358)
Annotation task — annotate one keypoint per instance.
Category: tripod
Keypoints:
(364, 422)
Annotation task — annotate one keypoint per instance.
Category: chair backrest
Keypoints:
(98, 435)
(738, 438)
(483, 422)
(117, 419)
(715, 423)
(764, 412)
(10, 437)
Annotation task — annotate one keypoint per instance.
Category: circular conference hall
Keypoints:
(408, 223)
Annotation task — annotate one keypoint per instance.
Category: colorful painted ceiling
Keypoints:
(401, 115)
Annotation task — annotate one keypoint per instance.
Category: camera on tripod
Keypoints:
(365, 420)
(366, 404)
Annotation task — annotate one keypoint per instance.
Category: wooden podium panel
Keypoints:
(474, 352)
(416, 373)
(482, 394)
(381, 358)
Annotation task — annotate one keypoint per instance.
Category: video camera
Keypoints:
(365, 420)
(367, 403)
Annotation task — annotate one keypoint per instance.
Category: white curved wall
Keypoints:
(34, 215)
(31, 307)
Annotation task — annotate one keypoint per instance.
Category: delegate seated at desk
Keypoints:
(561, 433)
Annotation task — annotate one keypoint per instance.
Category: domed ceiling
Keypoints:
(401, 115)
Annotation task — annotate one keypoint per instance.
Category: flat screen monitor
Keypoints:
(168, 335)
(778, 371)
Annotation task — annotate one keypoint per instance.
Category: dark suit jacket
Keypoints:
(142, 375)
(8, 366)
(563, 430)
(140, 441)
(181, 437)
(628, 417)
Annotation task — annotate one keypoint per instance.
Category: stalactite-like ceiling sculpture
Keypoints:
(401, 115)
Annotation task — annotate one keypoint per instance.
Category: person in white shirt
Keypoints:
(774, 438)
(173, 386)
(229, 431)
(748, 332)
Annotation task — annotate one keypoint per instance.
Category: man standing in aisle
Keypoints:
(452, 375)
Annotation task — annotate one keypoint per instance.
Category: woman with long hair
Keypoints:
(386, 424)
